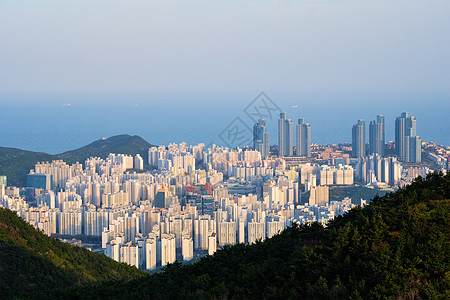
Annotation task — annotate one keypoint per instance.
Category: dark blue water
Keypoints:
(53, 128)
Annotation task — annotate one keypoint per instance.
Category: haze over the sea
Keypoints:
(55, 128)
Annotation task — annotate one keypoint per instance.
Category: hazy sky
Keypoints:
(338, 61)
(203, 48)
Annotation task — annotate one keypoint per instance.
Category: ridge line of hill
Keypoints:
(16, 163)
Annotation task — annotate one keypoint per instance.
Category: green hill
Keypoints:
(32, 263)
(395, 248)
(16, 163)
(124, 144)
(356, 193)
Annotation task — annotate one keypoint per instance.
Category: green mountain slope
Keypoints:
(32, 263)
(396, 248)
(125, 144)
(16, 163)
(354, 192)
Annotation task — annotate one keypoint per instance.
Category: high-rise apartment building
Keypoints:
(285, 135)
(359, 139)
(407, 143)
(168, 249)
(303, 138)
(376, 136)
(415, 149)
(261, 138)
(3, 180)
(138, 162)
(187, 247)
(319, 195)
(212, 243)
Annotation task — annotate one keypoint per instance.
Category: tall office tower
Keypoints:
(285, 135)
(303, 138)
(261, 138)
(359, 139)
(376, 136)
(407, 143)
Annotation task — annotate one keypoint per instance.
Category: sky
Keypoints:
(349, 58)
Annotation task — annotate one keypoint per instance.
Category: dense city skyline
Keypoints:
(192, 200)
(224, 149)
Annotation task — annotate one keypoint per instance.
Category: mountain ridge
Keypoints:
(16, 163)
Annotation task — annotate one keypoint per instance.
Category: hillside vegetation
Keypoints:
(124, 144)
(16, 163)
(356, 193)
(396, 248)
(33, 263)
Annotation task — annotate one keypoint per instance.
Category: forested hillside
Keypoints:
(32, 263)
(16, 163)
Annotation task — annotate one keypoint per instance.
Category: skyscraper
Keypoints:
(281, 141)
(407, 143)
(285, 135)
(400, 129)
(376, 136)
(381, 120)
(3, 180)
(261, 138)
(289, 137)
(415, 149)
(303, 138)
(266, 144)
(359, 139)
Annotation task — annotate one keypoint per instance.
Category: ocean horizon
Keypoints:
(57, 127)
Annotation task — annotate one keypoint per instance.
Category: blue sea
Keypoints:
(54, 127)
